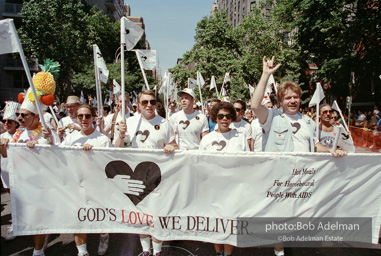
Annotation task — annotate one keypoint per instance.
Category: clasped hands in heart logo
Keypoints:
(143, 135)
(185, 123)
(219, 145)
(147, 172)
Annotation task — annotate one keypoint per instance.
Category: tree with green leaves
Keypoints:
(65, 31)
(340, 36)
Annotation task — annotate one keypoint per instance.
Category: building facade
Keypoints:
(237, 10)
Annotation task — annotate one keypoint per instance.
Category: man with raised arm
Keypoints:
(285, 129)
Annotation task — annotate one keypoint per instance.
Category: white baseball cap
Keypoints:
(187, 91)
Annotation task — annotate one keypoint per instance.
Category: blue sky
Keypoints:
(170, 25)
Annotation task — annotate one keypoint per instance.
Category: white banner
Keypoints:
(192, 195)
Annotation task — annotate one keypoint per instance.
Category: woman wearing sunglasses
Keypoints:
(224, 139)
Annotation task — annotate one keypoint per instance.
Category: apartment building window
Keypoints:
(253, 4)
(20, 81)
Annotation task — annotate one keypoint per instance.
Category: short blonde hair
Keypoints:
(146, 92)
(284, 87)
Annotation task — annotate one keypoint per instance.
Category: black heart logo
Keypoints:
(127, 31)
(187, 123)
(144, 58)
(222, 144)
(144, 136)
(295, 127)
(148, 172)
(345, 136)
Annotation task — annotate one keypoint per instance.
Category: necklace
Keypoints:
(33, 136)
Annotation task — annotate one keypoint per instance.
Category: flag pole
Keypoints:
(122, 45)
(142, 69)
(97, 83)
(54, 116)
(27, 72)
(167, 94)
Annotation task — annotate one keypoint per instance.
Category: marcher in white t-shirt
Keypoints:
(331, 135)
(69, 123)
(286, 129)
(189, 125)
(224, 139)
(241, 125)
(148, 130)
(87, 138)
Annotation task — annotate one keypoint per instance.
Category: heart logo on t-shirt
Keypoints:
(185, 123)
(219, 145)
(295, 127)
(143, 135)
(148, 172)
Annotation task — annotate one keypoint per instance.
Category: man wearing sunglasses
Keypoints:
(333, 136)
(31, 132)
(189, 124)
(149, 131)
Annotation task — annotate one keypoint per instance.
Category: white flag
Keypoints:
(336, 107)
(271, 81)
(223, 93)
(101, 65)
(192, 83)
(200, 80)
(251, 89)
(82, 99)
(212, 83)
(144, 87)
(165, 83)
(226, 78)
(155, 88)
(318, 95)
(116, 88)
(9, 40)
(130, 33)
(147, 58)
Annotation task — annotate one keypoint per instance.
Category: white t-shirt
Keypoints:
(65, 121)
(242, 127)
(47, 118)
(119, 118)
(232, 141)
(344, 141)
(95, 139)
(257, 135)
(25, 136)
(188, 129)
(154, 133)
(300, 133)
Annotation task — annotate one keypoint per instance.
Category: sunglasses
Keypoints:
(23, 115)
(9, 121)
(238, 109)
(145, 102)
(326, 111)
(228, 116)
(87, 116)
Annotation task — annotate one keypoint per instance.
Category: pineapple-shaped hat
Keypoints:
(44, 83)
(45, 87)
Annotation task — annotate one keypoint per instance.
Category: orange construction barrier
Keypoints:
(366, 138)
